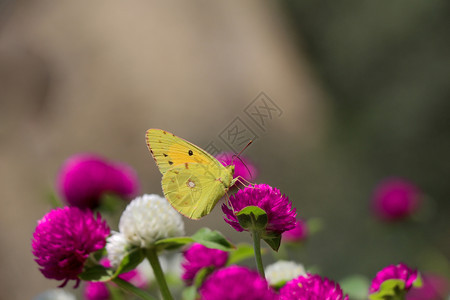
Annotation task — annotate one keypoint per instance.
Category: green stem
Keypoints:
(257, 248)
(154, 262)
(132, 289)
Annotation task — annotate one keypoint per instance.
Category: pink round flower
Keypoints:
(400, 271)
(63, 240)
(236, 283)
(434, 287)
(243, 167)
(198, 257)
(96, 291)
(85, 178)
(312, 287)
(395, 198)
(281, 215)
(298, 233)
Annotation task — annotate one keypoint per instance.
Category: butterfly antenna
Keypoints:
(249, 143)
(238, 157)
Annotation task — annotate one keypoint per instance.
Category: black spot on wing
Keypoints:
(190, 153)
(170, 162)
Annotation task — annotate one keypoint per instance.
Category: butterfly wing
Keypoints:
(193, 180)
(193, 189)
(169, 151)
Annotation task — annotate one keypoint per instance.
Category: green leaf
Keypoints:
(172, 243)
(132, 289)
(96, 273)
(242, 252)
(273, 240)
(130, 261)
(189, 293)
(392, 289)
(99, 273)
(99, 254)
(212, 239)
(252, 218)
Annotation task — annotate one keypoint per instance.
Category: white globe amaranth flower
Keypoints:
(56, 294)
(148, 219)
(116, 246)
(283, 271)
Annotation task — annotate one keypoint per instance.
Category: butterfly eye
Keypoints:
(190, 153)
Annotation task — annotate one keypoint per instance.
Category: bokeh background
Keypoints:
(363, 86)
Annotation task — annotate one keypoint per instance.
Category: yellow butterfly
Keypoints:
(193, 180)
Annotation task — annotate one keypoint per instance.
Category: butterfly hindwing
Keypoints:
(192, 190)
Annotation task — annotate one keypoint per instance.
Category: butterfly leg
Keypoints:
(244, 181)
(229, 204)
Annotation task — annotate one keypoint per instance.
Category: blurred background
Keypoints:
(362, 90)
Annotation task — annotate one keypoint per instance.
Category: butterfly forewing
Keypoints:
(168, 150)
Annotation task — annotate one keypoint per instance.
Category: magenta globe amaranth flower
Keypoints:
(400, 272)
(236, 283)
(96, 291)
(85, 178)
(312, 287)
(63, 240)
(198, 257)
(280, 214)
(395, 198)
(243, 167)
(298, 233)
